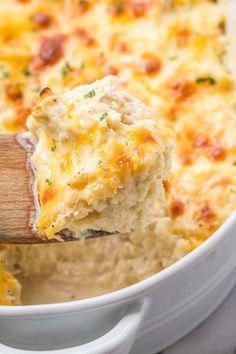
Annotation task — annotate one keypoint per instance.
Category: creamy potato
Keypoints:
(100, 160)
(171, 55)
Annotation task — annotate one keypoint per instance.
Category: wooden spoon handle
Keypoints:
(16, 200)
(16, 197)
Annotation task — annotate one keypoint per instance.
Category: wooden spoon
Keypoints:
(16, 197)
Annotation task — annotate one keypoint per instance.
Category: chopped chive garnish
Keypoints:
(103, 116)
(90, 94)
(53, 148)
(5, 74)
(49, 183)
(66, 69)
(26, 72)
(37, 89)
(208, 79)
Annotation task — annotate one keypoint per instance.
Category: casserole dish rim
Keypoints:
(124, 294)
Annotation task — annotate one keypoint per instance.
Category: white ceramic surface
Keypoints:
(143, 318)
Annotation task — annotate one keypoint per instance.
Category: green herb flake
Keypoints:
(49, 183)
(204, 79)
(26, 72)
(54, 146)
(82, 66)
(5, 74)
(37, 90)
(172, 58)
(66, 69)
(103, 116)
(90, 94)
(99, 162)
(232, 190)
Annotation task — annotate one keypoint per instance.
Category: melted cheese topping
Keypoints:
(171, 55)
(93, 145)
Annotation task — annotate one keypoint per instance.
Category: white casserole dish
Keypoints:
(143, 318)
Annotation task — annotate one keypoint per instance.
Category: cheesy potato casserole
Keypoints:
(170, 54)
(100, 160)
